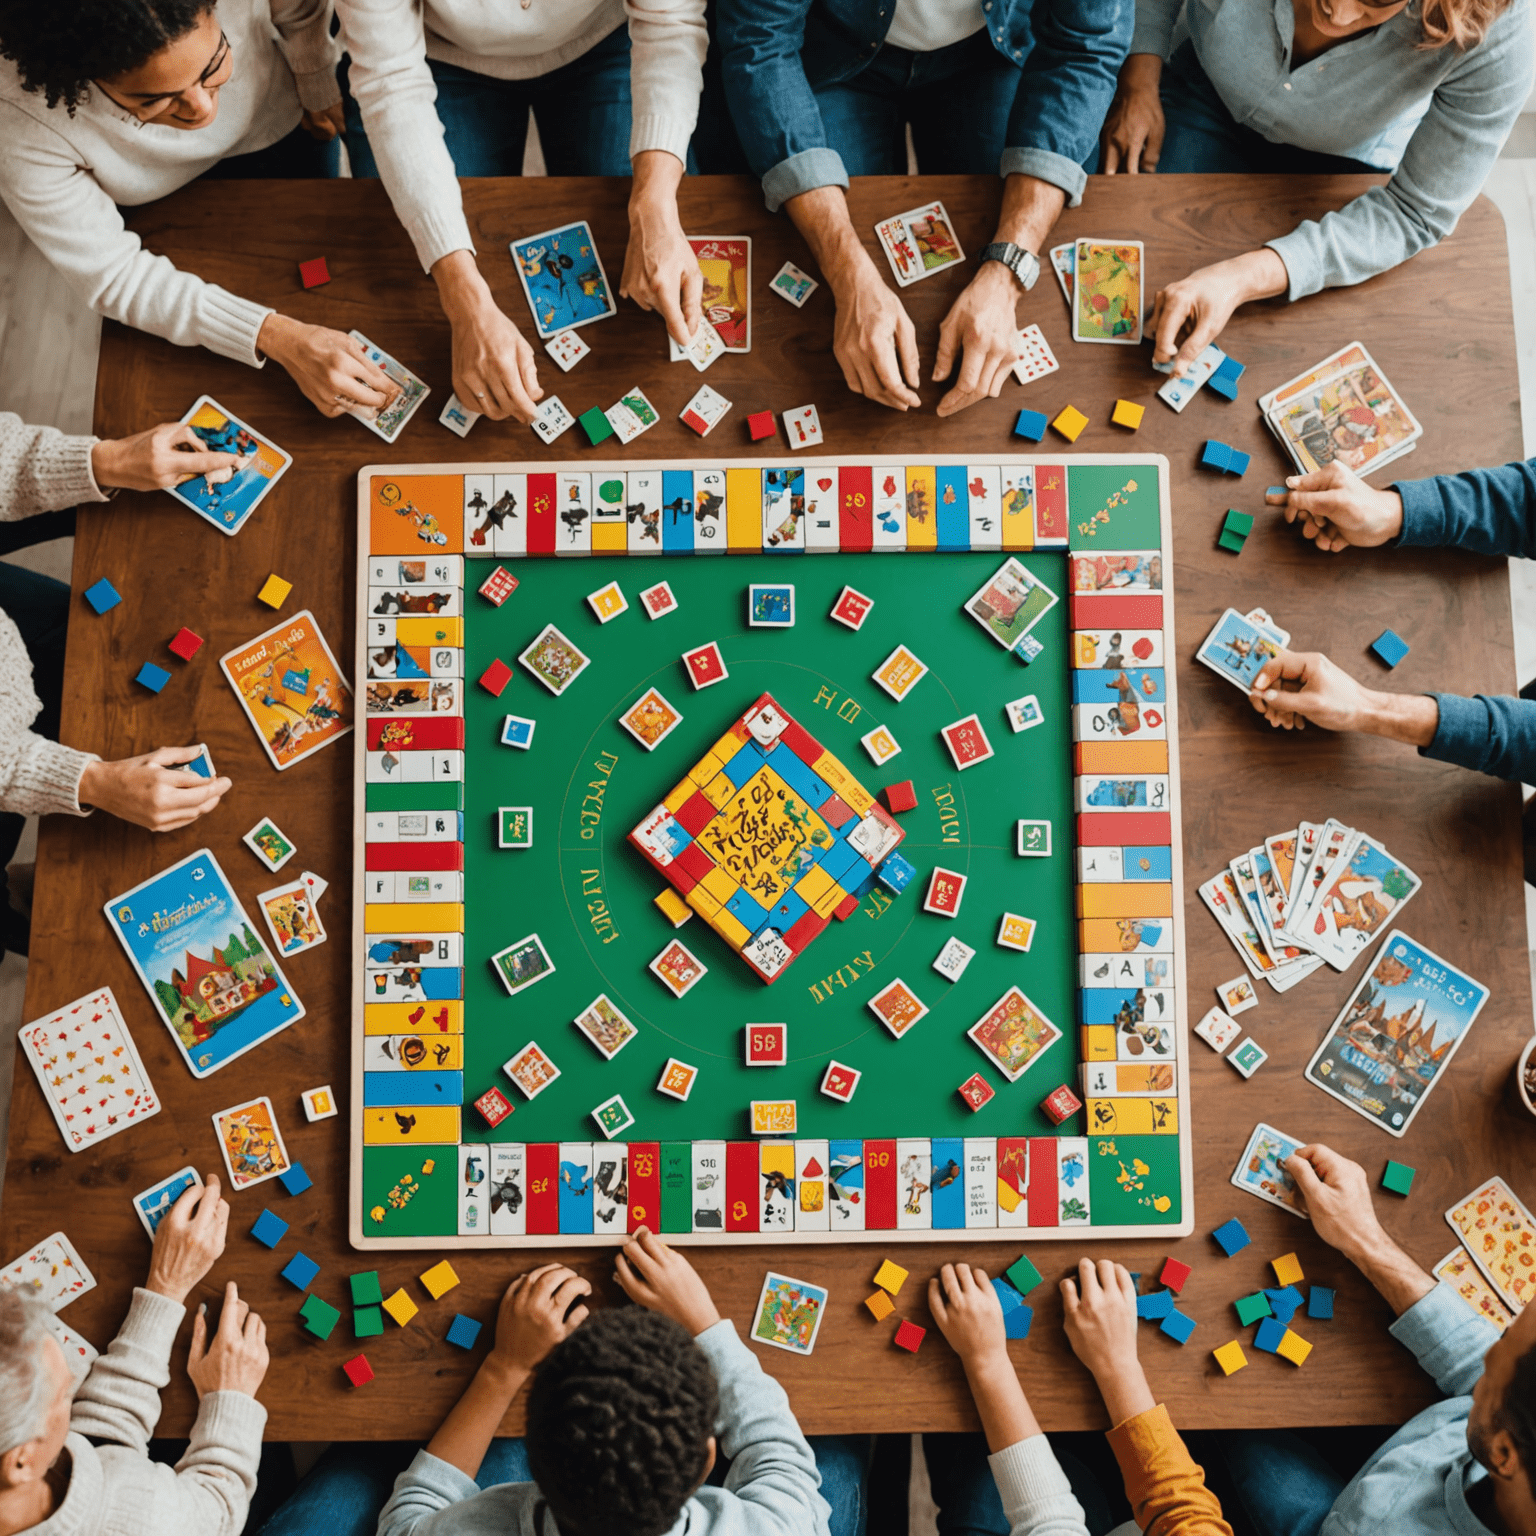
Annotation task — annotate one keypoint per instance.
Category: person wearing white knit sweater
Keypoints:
(43, 472)
(442, 89)
(105, 105)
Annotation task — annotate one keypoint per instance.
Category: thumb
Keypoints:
(906, 350)
(1304, 1175)
(946, 355)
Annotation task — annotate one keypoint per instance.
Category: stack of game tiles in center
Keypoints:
(1341, 411)
(1320, 893)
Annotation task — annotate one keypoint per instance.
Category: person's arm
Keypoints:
(304, 36)
(42, 470)
(38, 777)
(1165, 1487)
(1037, 1495)
(1487, 511)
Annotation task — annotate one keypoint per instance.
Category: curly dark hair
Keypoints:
(619, 1419)
(59, 52)
(1516, 1415)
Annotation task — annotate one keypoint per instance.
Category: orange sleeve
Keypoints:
(1165, 1487)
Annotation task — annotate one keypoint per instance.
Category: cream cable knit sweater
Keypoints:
(41, 470)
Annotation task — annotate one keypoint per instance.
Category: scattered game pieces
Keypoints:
(1017, 1313)
(152, 677)
(761, 424)
(890, 1277)
(1033, 839)
(608, 602)
(900, 797)
(1397, 1177)
(1022, 1275)
(514, 826)
(613, 1116)
(1224, 380)
(1217, 1030)
(1320, 1302)
(1031, 425)
(314, 272)
(1037, 360)
(952, 960)
(531, 1070)
(852, 608)
(596, 425)
(1237, 996)
(102, 595)
(567, 349)
(186, 644)
(1154, 1306)
(359, 1372)
(463, 1331)
(880, 744)
(705, 411)
(1235, 528)
(1232, 1237)
(909, 1336)
(896, 873)
(632, 415)
(802, 427)
(1127, 414)
(773, 1117)
(946, 890)
(976, 1091)
(320, 1317)
(274, 591)
(1284, 1303)
(839, 1081)
(1251, 1308)
(1060, 1105)
(1230, 1357)
(900, 673)
(1287, 1269)
(705, 665)
(319, 1103)
(677, 1079)
(788, 1314)
(1015, 932)
(269, 1229)
(1070, 423)
(551, 418)
(1248, 1057)
(300, 1271)
(517, 731)
(295, 1180)
(365, 1287)
(1178, 1326)
(1293, 1347)
(771, 605)
(880, 1306)
(1174, 1274)
(1390, 647)
(790, 283)
(496, 677)
(967, 742)
(1216, 455)
(678, 969)
(439, 1280)
(401, 1307)
(673, 907)
(1024, 714)
(457, 416)
(498, 586)
(658, 600)
(367, 1322)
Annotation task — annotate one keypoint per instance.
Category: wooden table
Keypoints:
(1441, 327)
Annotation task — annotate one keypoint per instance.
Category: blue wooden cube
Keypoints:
(1155, 1305)
(1031, 424)
(103, 595)
(1226, 388)
(1238, 461)
(1215, 455)
(295, 1180)
(1284, 1303)
(270, 1229)
(301, 1270)
(1178, 1326)
(1320, 1301)
(463, 1331)
(1016, 1323)
(152, 677)
(1269, 1334)
(895, 873)
(1232, 1237)
(1390, 647)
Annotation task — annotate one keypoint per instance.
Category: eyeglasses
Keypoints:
(215, 75)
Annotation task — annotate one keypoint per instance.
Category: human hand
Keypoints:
(330, 367)
(150, 791)
(1338, 509)
(1134, 126)
(324, 124)
(188, 1240)
(968, 1313)
(659, 1278)
(984, 323)
(1338, 1197)
(1298, 686)
(1199, 306)
(536, 1314)
(236, 1360)
(158, 459)
(660, 270)
(873, 339)
(1099, 1313)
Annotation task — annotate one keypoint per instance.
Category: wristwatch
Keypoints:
(1024, 265)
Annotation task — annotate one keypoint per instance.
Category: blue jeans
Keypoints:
(1285, 1485)
(1202, 135)
(966, 1492)
(349, 1486)
(957, 100)
(295, 157)
(582, 109)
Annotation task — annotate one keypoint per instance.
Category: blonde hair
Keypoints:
(25, 1385)
(1462, 23)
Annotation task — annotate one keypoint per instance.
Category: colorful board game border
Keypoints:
(843, 523)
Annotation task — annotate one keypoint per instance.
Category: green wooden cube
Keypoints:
(1398, 1177)
(366, 1291)
(595, 425)
(367, 1322)
(1022, 1275)
(320, 1317)
(1240, 523)
(1251, 1308)
(1232, 541)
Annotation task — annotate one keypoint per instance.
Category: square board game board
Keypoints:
(727, 978)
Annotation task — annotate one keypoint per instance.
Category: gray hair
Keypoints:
(26, 1386)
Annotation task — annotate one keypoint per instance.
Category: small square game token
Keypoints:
(551, 418)
(977, 1091)
(1237, 996)
(496, 677)
(1287, 1269)
(967, 742)
(1320, 1301)
(677, 1079)
(493, 1106)
(401, 1307)
(300, 1271)
(1031, 425)
(658, 600)
(651, 719)
(899, 673)
(1070, 422)
(608, 602)
(596, 425)
(320, 1317)
(102, 595)
(771, 605)
(900, 797)
(852, 608)
(269, 1229)
(567, 348)
(773, 1117)
(517, 731)
(531, 1070)
(1251, 1308)
(274, 591)
(440, 1279)
(767, 1045)
(880, 744)
(1293, 1347)
(1034, 839)
(522, 964)
(1022, 1274)
(1398, 1178)
(1015, 932)
(946, 890)
(1024, 714)
(673, 907)
(1060, 1105)
(606, 1025)
(270, 844)
(896, 873)
(1230, 1357)
(152, 677)
(705, 665)
(705, 411)
(1248, 1057)
(802, 427)
(554, 660)
(880, 1306)
(358, 1371)
(839, 1081)
(790, 283)
(1217, 1030)
(185, 644)
(1231, 1237)
(1175, 1273)
(319, 1103)
(631, 415)
(457, 416)
(678, 969)
(1390, 647)
(498, 586)
(613, 1117)
(953, 959)
(514, 826)
(890, 1277)
(898, 1007)
(462, 1332)
(314, 273)
(909, 1336)
(295, 1180)
(760, 424)
(1127, 414)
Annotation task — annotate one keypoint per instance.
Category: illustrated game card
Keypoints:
(531, 1070)
(389, 420)
(1064, 265)
(1367, 891)
(726, 262)
(898, 1007)
(1012, 602)
(1107, 291)
(631, 416)
(789, 1314)
(89, 1070)
(53, 1269)
(704, 412)
(554, 660)
(458, 417)
(552, 418)
(1458, 1268)
(791, 283)
(678, 969)
(292, 917)
(1179, 392)
(1013, 1034)
(563, 277)
(1259, 1172)
(651, 719)
(521, 964)
(567, 349)
(291, 688)
(705, 348)
(79, 1353)
(605, 1024)
(212, 979)
(251, 1143)
(228, 502)
(1038, 359)
(1500, 1234)
(269, 844)
(919, 243)
(152, 1204)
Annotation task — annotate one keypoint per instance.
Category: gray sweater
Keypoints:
(41, 470)
(114, 1488)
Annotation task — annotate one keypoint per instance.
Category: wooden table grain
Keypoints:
(1441, 328)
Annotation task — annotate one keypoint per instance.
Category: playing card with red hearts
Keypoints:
(88, 1069)
(852, 608)
(705, 665)
(967, 742)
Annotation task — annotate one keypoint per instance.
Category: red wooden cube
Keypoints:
(909, 1336)
(900, 797)
(186, 644)
(761, 424)
(359, 1372)
(1061, 1105)
(493, 1106)
(1174, 1275)
(314, 272)
(496, 677)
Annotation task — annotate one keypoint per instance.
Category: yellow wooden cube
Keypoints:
(275, 592)
(1070, 423)
(440, 1279)
(1293, 1347)
(401, 1307)
(1128, 414)
(1230, 1357)
(673, 907)
(890, 1277)
(1287, 1269)
(880, 1305)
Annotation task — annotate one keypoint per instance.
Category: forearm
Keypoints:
(821, 216)
(1006, 1417)
(1125, 1392)
(1399, 1279)
(1486, 511)
(1496, 736)
(668, 42)
(1408, 717)
(471, 1425)
(461, 289)
(657, 176)
(42, 470)
(1030, 210)
(119, 1401)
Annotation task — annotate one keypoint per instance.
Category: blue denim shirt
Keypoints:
(1416, 1484)
(773, 52)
